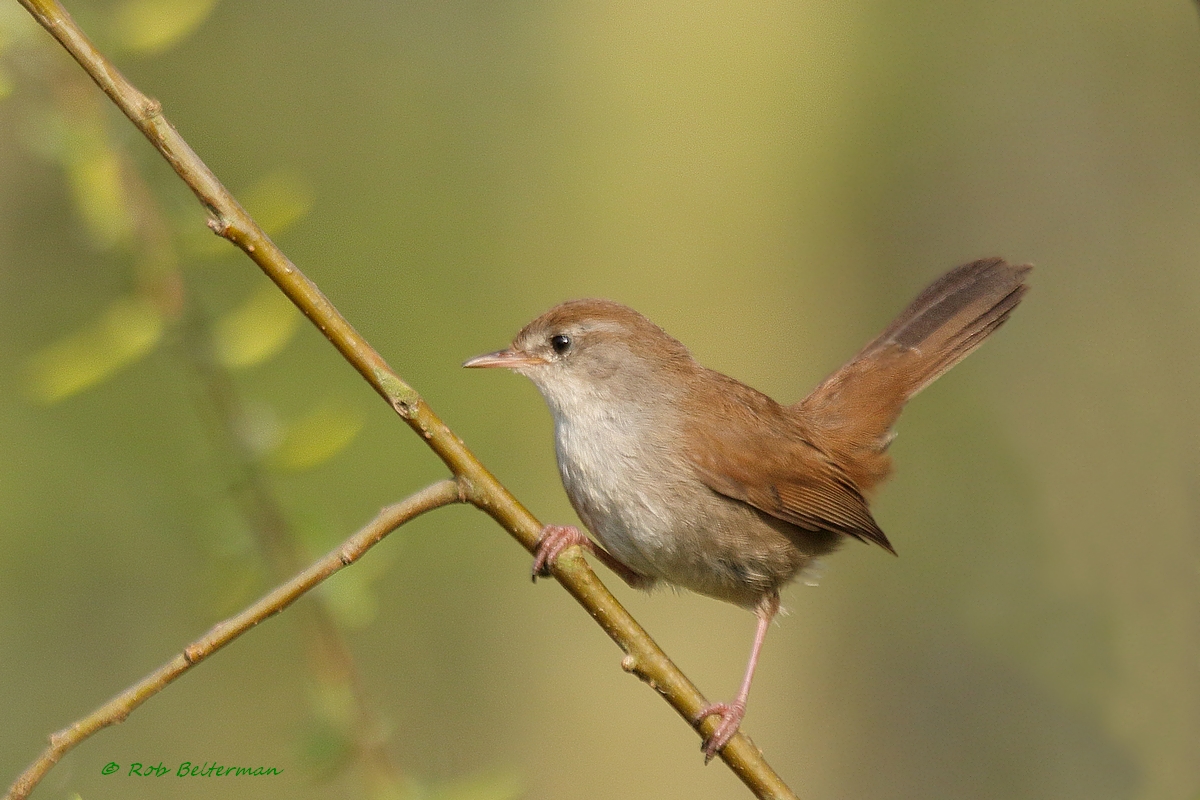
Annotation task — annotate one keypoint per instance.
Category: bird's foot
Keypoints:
(555, 539)
(731, 718)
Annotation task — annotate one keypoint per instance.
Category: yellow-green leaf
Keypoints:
(95, 176)
(350, 599)
(276, 201)
(256, 330)
(317, 437)
(151, 26)
(127, 330)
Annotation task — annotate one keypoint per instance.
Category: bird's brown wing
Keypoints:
(754, 450)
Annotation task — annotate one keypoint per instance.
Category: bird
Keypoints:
(688, 477)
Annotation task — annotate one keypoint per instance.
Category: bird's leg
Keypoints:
(731, 713)
(556, 538)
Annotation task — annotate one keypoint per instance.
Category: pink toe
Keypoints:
(555, 539)
(731, 719)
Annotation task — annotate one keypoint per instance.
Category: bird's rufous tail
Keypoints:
(852, 412)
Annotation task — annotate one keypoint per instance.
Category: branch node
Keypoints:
(470, 492)
(404, 408)
(151, 108)
(629, 663)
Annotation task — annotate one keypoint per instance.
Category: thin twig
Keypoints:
(329, 654)
(118, 708)
(643, 657)
(160, 281)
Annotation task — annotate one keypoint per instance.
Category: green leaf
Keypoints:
(277, 201)
(151, 26)
(125, 332)
(317, 437)
(95, 178)
(256, 330)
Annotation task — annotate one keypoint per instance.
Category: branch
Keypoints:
(330, 656)
(643, 656)
(118, 708)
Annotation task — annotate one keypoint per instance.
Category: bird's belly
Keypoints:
(632, 523)
(614, 476)
(675, 530)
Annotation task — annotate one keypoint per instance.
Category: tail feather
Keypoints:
(853, 410)
(945, 328)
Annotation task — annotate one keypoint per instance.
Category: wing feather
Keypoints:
(760, 453)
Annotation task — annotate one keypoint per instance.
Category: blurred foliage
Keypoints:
(351, 598)
(115, 208)
(152, 26)
(769, 182)
(256, 330)
(128, 330)
(317, 436)
(277, 200)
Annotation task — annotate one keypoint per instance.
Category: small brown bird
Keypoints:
(690, 477)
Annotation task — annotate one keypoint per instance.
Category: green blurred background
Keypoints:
(768, 181)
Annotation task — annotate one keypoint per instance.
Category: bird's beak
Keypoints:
(509, 359)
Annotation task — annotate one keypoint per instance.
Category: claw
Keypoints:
(555, 539)
(731, 719)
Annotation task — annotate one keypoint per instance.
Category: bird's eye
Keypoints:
(560, 342)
